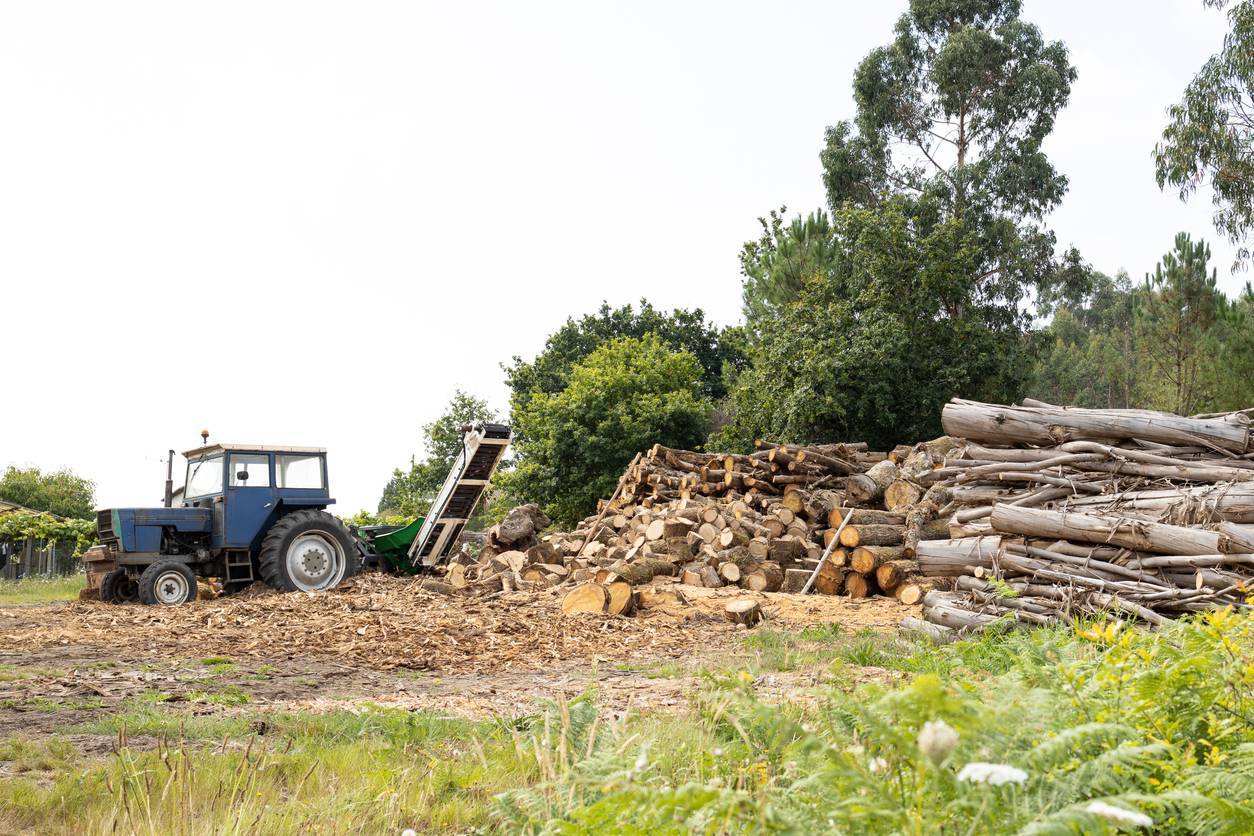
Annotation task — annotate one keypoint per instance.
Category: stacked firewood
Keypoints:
(1058, 512)
(766, 522)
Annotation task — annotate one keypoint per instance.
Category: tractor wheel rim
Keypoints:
(315, 561)
(170, 588)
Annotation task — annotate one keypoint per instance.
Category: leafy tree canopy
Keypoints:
(867, 351)
(777, 265)
(410, 491)
(952, 115)
(623, 397)
(681, 330)
(61, 492)
(1210, 138)
(915, 288)
(1088, 354)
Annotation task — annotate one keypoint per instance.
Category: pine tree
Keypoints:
(1174, 318)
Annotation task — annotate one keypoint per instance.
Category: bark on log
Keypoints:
(952, 558)
(795, 580)
(871, 535)
(766, 578)
(864, 516)
(870, 486)
(1132, 534)
(744, 611)
(711, 578)
(1046, 426)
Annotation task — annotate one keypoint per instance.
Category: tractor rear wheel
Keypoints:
(117, 587)
(307, 551)
(167, 582)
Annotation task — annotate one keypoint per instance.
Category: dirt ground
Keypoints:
(382, 641)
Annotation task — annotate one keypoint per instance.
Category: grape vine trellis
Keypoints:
(47, 528)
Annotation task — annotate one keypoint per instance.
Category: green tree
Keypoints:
(859, 355)
(61, 492)
(682, 330)
(625, 396)
(1210, 138)
(937, 190)
(410, 492)
(1175, 324)
(1088, 354)
(776, 265)
(1231, 346)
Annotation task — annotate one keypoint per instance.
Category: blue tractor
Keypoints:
(250, 512)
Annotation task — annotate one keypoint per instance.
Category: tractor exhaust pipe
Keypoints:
(169, 480)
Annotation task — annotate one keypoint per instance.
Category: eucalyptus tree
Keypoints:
(1210, 138)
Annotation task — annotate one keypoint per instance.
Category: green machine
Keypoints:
(429, 540)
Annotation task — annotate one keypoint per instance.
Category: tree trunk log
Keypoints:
(1132, 534)
(744, 611)
(1053, 425)
(870, 486)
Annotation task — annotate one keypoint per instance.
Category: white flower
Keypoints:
(1118, 815)
(937, 740)
(643, 760)
(409, 831)
(878, 765)
(992, 773)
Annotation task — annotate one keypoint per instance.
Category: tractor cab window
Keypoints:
(204, 477)
(299, 472)
(249, 470)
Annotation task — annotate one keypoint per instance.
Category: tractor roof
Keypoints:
(211, 449)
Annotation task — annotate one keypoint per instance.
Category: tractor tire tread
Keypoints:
(148, 580)
(109, 592)
(272, 546)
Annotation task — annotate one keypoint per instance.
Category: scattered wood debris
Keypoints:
(383, 622)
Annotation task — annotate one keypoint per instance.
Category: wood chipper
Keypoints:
(251, 512)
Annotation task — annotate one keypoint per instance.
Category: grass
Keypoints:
(1161, 723)
(40, 590)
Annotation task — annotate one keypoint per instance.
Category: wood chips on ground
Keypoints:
(387, 622)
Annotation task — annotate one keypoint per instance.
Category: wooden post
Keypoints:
(831, 545)
(596, 525)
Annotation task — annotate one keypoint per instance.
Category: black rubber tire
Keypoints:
(119, 588)
(149, 579)
(290, 526)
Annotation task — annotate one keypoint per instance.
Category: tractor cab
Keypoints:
(246, 487)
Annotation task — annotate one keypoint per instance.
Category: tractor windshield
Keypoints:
(204, 477)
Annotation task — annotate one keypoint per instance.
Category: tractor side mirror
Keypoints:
(242, 476)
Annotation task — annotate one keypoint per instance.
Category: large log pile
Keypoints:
(764, 522)
(1029, 514)
(1057, 512)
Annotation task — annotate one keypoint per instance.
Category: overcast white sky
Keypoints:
(308, 222)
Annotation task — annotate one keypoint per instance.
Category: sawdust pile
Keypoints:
(383, 622)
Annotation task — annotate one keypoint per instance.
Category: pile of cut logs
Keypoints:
(1060, 512)
(784, 518)
(1031, 513)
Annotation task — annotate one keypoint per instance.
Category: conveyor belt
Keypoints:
(482, 450)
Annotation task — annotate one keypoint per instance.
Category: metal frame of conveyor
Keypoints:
(483, 447)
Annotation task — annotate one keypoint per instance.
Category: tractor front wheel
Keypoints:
(307, 551)
(117, 587)
(167, 582)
